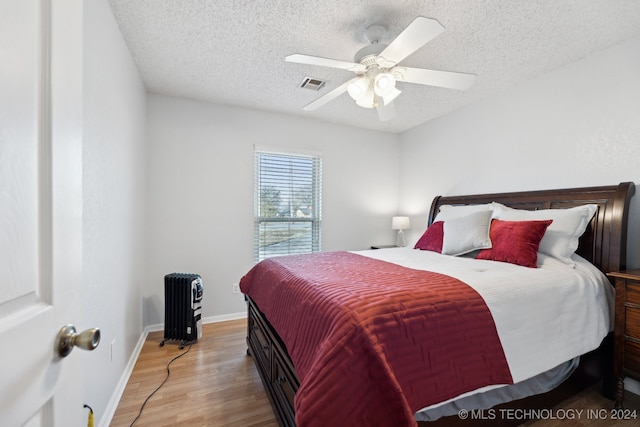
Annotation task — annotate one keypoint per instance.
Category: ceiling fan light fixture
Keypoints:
(368, 100)
(377, 70)
(384, 84)
(358, 88)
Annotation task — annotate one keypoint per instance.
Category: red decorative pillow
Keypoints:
(515, 242)
(432, 238)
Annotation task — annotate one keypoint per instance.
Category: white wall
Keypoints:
(577, 126)
(113, 178)
(200, 199)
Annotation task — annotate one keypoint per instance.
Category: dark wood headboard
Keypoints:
(604, 242)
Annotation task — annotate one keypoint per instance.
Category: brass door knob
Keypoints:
(67, 338)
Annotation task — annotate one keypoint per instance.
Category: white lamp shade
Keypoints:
(358, 88)
(368, 100)
(391, 96)
(384, 84)
(400, 223)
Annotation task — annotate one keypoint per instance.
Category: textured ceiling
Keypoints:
(232, 52)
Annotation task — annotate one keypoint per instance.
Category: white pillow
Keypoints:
(448, 212)
(467, 233)
(561, 238)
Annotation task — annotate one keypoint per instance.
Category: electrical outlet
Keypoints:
(111, 349)
(235, 288)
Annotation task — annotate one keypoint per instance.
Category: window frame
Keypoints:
(262, 158)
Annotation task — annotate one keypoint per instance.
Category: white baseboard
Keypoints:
(210, 319)
(110, 410)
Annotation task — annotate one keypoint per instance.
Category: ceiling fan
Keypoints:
(377, 70)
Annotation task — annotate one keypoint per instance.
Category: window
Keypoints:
(287, 203)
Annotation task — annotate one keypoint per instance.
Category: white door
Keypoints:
(40, 211)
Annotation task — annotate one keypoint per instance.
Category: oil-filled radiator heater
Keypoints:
(182, 308)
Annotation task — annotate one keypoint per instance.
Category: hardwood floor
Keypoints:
(216, 384)
(590, 408)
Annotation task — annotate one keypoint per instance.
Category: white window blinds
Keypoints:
(287, 203)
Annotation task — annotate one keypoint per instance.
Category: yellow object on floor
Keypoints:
(90, 419)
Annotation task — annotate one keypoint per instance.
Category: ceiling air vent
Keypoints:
(313, 84)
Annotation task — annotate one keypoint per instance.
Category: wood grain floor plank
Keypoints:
(217, 384)
(214, 384)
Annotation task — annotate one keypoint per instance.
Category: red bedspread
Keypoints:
(374, 342)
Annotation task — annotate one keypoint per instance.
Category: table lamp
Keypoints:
(400, 223)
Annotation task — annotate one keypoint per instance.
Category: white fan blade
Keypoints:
(388, 99)
(446, 79)
(325, 62)
(420, 32)
(386, 112)
(330, 96)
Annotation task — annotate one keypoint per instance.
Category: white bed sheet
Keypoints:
(544, 316)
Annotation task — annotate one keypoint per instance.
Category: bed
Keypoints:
(352, 366)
